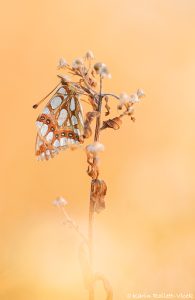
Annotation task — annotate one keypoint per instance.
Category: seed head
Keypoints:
(60, 201)
(133, 98)
(62, 63)
(89, 55)
(140, 93)
(95, 147)
(123, 98)
(77, 63)
(102, 70)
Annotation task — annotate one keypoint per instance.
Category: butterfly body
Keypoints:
(60, 125)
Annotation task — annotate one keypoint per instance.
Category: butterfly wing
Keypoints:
(60, 125)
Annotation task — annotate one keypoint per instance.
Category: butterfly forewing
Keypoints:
(60, 125)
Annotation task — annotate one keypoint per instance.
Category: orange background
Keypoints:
(144, 240)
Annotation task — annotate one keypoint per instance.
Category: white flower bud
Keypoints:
(95, 147)
(105, 73)
(130, 110)
(102, 70)
(133, 98)
(140, 93)
(98, 67)
(60, 201)
(89, 55)
(123, 98)
(136, 97)
(77, 63)
(62, 63)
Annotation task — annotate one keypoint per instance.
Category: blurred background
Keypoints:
(144, 240)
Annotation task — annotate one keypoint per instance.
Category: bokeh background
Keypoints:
(144, 240)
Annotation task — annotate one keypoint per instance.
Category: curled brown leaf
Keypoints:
(107, 106)
(92, 170)
(114, 123)
(98, 192)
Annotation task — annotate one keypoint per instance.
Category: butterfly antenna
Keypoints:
(38, 103)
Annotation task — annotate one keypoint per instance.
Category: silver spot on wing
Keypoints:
(39, 124)
(62, 91)
(46, 111)
(62, 116)
(77, 131)
(63, 141)
(49, 137)
(56, 143)
(81, 118)
(72, 104)
(74, 120)
(55, 102)
(44, 129)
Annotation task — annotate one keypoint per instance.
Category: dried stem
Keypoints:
(71, 222)
(91, 204)
(106, 284)
(86, 85)
(97, 128)
(90, 238)
(92, 91)
(112, 95)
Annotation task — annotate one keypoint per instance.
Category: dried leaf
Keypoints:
(92, 170)
(107, 106)
(114, 123)
(98, 192)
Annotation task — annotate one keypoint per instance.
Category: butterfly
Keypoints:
(60, 125)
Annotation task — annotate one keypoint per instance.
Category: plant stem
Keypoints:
(97, 128)
(90, 238)
(112, 95)
(91, 204)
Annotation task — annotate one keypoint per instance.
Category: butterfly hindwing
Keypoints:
(60, 125)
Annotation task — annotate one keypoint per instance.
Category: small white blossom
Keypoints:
(102, 70)
(105, 73)
(98, 66)
(130, 110)
(60, 201)
(136, 97)
(89, 55)
(62, 63)
(95, 147)
(133, 98)
(77, 62)
(140, 93)
(124, 98)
